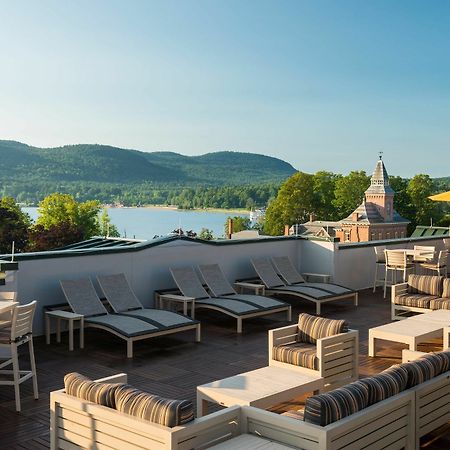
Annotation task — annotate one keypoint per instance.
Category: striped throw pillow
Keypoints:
(311, 328)
(386, 384)
(425, 284)
(93, 391)
(419, 371)
(446, 288)
(153, 408)
(324, 409)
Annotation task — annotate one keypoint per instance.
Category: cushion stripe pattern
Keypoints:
(425, 284)
(311, 328)
(420, 370)
(153, 408)
(93, 391)
(298, 354)
(324, 409)
(440, 303)
(446, 288)
(414, 300)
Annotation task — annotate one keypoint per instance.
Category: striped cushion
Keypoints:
(445, 360)
(153, 408)
(446, 288)
(324, 409)
(298, 354)
(385, 384)
(436, 361)
(440, 303)
(419, 371)
(414, 300)
(311, 328)
(93, 391)
(425, 284)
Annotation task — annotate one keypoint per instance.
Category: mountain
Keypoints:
(102, 163)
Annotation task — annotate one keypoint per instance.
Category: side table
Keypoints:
(68, 316)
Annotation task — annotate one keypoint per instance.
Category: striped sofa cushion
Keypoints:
(153, 408)
(414, 300)
(445, 355)
(419, 371)
(386, 384)
(93, 391)
(298, 354)
(425, 284)
(440, 303)
(311, 328)
(324, 409)
(446, 288)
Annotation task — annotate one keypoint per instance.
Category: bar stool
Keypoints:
(380, 261)
(21, 332)
(396, 261)
(439, 266)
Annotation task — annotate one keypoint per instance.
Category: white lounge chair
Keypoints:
(83, 299)
(190, 286)
(318, 293)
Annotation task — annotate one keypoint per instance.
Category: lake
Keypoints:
(145, 223)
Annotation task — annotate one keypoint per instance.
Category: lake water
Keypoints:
(145, 223)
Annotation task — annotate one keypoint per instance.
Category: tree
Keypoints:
(239, 224)
(349, 192)
(419, 189)
(107, 229)
(52, 237)
(294, 202)
(57, 209)
(14, 225)
(324, 195)
(206, 234)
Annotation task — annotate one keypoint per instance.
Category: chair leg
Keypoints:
(375, 279)
(33, 369)
(385, 282)
(16, 375)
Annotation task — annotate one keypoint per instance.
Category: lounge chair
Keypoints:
(318, 293)
(190, 286)
(122, 299)
(83, 299)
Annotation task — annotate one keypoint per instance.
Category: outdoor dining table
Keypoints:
(5, 306)
(412, 254)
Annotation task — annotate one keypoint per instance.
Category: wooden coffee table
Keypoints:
(411, 331)
(261, 388)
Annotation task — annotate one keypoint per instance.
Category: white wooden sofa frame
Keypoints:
(78, 423)
(338, 355)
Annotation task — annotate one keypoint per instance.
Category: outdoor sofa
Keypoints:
(317, 346)
(393, 409)
(420, 294)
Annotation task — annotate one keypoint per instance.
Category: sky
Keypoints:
(324, 85)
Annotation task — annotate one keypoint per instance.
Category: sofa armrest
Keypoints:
(398, 289)
(283, 335)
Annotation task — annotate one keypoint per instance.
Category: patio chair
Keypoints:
(317, 293)
(380, 262)
(83, 299)
(447, 244)
(19, 333)
(426, 253)
(439, 266)
(396, 261)
(190, 286)
(123, 301)
(317, 346)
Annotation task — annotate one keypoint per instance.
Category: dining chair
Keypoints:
(439, 266)
(380, 262)
(20, 332)
(426, 253)
(396, 261)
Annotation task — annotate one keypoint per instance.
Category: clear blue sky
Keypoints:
(323, 85)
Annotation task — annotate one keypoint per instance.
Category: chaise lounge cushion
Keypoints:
(425, 284)
(298, 354)
(386, 384)
(415, 300)
(153, 408)
(324, 409)
(312, 328)
(82, 387)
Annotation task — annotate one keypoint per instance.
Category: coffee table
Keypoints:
(411, 331)
(261, 388)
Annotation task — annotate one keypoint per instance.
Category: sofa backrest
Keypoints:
(425, 284)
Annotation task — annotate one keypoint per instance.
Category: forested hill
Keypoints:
(106, 164)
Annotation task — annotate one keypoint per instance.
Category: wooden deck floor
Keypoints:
(173, 367)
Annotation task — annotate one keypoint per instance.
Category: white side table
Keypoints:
(324, 277)
(256, 288)
(174, 298)
(71, 318)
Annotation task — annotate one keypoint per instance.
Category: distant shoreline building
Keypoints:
(374, 219)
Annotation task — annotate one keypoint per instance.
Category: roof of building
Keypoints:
(316, 228)
(101, 242)
(379, 183)
(422, 230)
(368, 213)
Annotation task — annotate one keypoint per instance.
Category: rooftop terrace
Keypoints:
(163, 366)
